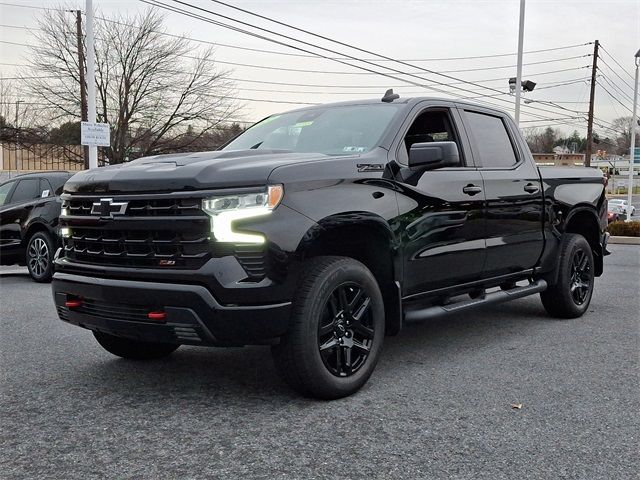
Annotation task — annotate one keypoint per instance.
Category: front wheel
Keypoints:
(336, 330)
(40, 256)
(570, 296)
(134, 349)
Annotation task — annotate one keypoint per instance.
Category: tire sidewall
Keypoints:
(351, 271)
(577, 243)
(46, 277)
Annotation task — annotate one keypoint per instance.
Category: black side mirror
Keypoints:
(432, 155)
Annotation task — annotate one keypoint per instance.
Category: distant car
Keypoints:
(622, 204)
(29, 211)
(615, 214)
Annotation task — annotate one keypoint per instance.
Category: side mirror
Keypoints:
(432, 155)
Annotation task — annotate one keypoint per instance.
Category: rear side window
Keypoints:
(27, 190)
(5, 188)
(493, 144)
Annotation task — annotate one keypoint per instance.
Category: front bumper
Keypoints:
(193, 316)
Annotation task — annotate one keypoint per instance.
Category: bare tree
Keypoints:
(622, 127)
(154, 89)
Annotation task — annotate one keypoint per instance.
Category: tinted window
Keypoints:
(340, 130)
(429, 126)
(27, 189)
(5, 188)
(57, 182)
(45, 187)
(492, 140)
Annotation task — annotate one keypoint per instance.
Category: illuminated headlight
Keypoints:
(226, 209)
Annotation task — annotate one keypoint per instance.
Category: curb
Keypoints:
(624, 240)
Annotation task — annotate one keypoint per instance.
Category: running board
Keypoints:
(486, 299)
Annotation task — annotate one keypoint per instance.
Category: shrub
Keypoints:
(625, 229)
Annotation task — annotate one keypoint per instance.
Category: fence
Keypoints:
(40, 157)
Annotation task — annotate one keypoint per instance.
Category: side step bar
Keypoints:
(487, 299)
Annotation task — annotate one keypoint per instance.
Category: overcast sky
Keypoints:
(419, 30)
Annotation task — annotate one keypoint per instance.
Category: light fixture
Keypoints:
(224, 210)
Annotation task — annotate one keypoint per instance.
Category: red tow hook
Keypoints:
(157, 316)
(75, 303)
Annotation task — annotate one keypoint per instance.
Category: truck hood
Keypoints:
(183, 172)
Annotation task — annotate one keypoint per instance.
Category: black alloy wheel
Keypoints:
(569, 293)
(581, 277)
(346, 330)
(39, 257)
(336, 331)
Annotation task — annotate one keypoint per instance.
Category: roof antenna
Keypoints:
(389, 96)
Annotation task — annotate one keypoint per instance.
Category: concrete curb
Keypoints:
(624, 240)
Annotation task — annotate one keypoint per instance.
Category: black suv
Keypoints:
(29, 211)
(319, 231)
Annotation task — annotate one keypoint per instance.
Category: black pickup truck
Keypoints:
(321, 230)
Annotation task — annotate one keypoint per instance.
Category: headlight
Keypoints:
(226, 209)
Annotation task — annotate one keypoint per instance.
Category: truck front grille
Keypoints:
(153, 231)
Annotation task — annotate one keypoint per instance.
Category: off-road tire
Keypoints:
(559, 299)
(298, 357)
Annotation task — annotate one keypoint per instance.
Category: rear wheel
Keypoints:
(39, 256)
(134, 349)
(336, 330)
(570, 296)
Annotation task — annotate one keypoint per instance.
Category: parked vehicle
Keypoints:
(615, 214)
(320, 230)
(623, 205)
(29, 210)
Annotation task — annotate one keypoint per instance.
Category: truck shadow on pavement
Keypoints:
(218, 373)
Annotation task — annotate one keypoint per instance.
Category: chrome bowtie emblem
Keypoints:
(107, 208)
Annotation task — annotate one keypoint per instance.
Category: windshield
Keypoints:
(337, 130)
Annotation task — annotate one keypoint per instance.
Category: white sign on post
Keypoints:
(95, 134)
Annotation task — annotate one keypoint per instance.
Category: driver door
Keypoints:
(442, 217)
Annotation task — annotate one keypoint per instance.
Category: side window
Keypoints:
(45, 188)
(27, 190)
(429, 126)
(5, 189)
(492, 140)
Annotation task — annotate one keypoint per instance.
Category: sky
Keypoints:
(423, 31)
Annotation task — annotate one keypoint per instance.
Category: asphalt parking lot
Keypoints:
(438, 405)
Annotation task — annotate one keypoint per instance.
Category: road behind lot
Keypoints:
(438, 405)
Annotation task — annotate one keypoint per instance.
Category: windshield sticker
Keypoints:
(354, 149)
(303, 124)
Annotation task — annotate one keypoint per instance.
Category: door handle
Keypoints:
(472, 189)
(531, 188)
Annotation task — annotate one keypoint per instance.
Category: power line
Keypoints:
(616, 61)
(613, 97)
(274, 52)
(333, 72)
(616, 87)
(617, 75)
(386, 74)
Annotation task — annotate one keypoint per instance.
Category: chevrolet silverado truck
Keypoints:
(321, 230)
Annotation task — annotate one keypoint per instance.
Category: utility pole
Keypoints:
(18, 149)
(594, 69)
(519, 68)
(91, 81)
(83, 86)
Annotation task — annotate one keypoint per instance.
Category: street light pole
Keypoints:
(632, 149)
(519, 68)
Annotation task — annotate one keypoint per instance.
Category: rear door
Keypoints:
(441, 223)
(15, 210)
(513, 192)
